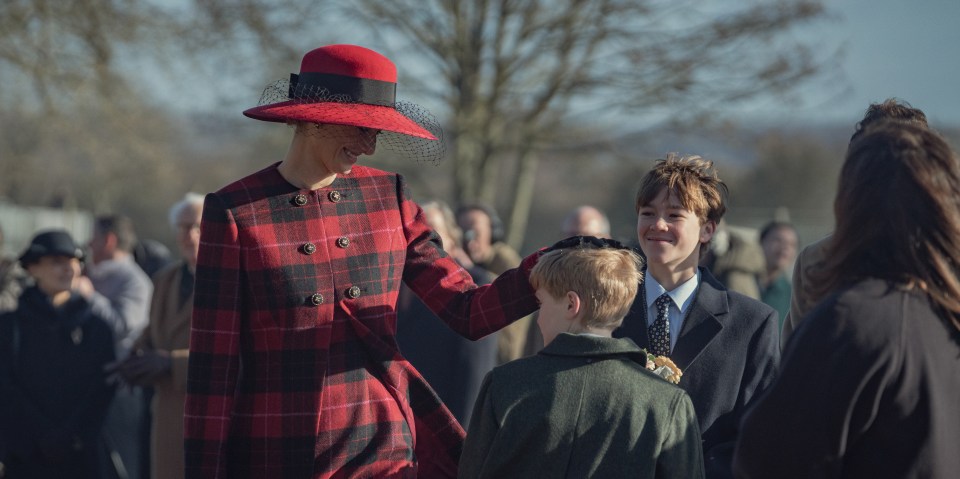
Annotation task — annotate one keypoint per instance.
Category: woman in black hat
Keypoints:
(53, 347)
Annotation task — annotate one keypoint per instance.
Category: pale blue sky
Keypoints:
(894, 48)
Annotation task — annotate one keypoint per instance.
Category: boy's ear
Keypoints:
(573, 303)
(707, 230)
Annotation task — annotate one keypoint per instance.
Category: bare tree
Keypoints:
(511, 72)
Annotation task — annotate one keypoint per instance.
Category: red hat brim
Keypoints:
(353, 114)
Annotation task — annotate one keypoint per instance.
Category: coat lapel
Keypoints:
(701, 325)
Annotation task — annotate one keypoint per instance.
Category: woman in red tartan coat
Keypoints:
(294, 370)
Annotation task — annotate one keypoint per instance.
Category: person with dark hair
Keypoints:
(724, 342)
(53, 349)
(869, 382)
(121, 288)
(484, 238)
(889, 109)
(803, 297)
(779, 242)
(151, 256)
(294, 368)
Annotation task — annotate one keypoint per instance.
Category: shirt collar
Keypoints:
(682, 295)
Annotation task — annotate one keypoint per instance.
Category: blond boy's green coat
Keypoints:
(584, 407)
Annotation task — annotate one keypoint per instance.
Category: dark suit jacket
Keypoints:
(729, 352)
(869, 388)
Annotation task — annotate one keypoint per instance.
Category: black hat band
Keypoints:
(360, 90)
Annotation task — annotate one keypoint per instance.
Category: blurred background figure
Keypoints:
(152, 256)
(124, 290)
(869, 382)
(453, 365)
(586, 221)
(161, 353)
(12, 280)
(736, 260)
(779, 241)
(53, 349)
(483, 237)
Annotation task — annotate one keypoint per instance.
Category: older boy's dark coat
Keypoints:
(729, 352)
(294, 370)
(584, 407)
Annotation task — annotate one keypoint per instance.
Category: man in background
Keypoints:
(586, 220)
(123, 291)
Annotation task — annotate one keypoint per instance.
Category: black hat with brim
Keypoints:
(50, 243)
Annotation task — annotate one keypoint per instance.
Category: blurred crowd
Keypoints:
(839, 363)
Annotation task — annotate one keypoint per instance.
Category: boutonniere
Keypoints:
(664, 367)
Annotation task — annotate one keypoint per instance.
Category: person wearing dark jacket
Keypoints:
(726, 344)
(53, 348)
(586, 405)
(869, 385)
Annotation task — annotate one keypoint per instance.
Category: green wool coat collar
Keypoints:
(578, 345)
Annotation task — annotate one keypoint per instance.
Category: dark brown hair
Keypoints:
(897, 215)
(890, 109)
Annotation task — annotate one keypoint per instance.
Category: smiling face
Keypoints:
(338, 147)
(671, 236)
(54, 274)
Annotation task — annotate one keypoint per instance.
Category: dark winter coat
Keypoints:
(53, 392)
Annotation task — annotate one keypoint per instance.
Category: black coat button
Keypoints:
(309, 248)
(335, 196)
(353, 292)
(300, 199)
(316, 299)
(343, 241)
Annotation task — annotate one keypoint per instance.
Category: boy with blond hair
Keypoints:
(726, 344)
(585, 406)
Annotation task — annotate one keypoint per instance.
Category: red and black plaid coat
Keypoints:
(294, 370)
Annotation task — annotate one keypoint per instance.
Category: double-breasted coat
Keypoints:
(294, 370)
(169, 330)
(729, 352)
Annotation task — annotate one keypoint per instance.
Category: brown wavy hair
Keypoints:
(695, 183)
(897, 215)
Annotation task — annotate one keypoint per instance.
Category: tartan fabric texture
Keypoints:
(294, 369)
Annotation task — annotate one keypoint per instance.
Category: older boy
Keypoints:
(725, 343)
(585, 406)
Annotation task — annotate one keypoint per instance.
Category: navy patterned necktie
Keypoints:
(659, 331)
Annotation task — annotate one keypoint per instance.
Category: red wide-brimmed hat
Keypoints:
(345, 85)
